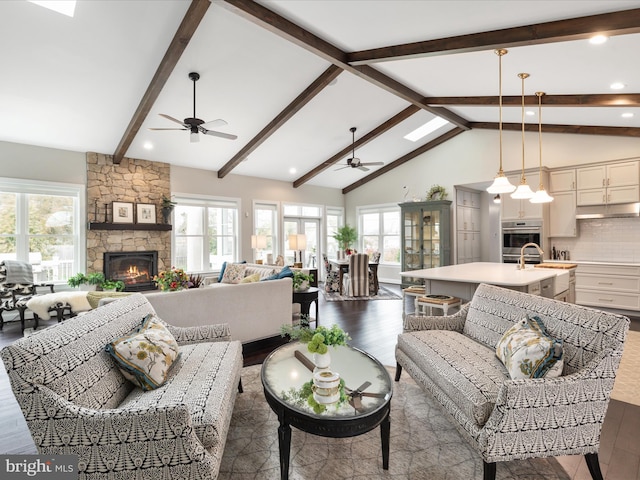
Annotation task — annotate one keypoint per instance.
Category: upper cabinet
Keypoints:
(522, 209)
(562, 180)
(562, 211)
(608, 184)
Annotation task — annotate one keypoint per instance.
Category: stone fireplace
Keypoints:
(135, 269)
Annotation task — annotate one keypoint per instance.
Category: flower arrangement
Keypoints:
(172, 280)
(318, 340)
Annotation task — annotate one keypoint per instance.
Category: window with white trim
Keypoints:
(265, 218)
(379, 230)
(334, 220)
(205, 233)
(40, 224)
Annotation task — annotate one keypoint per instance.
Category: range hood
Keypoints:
(621, 210)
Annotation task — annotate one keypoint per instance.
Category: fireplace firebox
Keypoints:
(135, 269)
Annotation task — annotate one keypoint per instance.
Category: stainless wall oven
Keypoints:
(518, 233)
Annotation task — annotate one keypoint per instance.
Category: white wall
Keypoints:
(40, 163)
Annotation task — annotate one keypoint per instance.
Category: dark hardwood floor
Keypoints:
(374, 327)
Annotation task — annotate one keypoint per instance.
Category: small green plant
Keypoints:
(96, 278)
(168, 203)
(117, 285)
(319, 339)
(82, 279)
(299, 278)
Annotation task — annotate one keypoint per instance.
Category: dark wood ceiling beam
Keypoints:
(181, 39)
(575, 129)
(290, 110)
(404, 159)
(282, 27)
(614, 23)
(379, 130)
(591, 100)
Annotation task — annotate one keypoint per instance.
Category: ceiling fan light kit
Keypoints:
(354, 162)
(523, 192)
(541, 195)
(501, 183)
(194, 124)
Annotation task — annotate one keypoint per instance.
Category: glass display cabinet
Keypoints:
(425, 237)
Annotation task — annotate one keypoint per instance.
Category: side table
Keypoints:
(305, 298)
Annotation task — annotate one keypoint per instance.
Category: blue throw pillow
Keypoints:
(284, 273)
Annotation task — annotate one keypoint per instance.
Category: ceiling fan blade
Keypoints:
(370, 164)
(364, 169)
(168, 128)
(341, 168)
(214, 123)
(213, 133)
(168, 117)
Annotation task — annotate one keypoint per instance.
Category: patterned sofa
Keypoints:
(454, 359)
(76, 401)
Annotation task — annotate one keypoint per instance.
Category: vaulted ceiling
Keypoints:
(291, 77)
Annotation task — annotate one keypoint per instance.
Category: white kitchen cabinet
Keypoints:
(467, 226)
(562, 215)
(562, 181)
(468, 219)
(608, 184)
(522, 209)
(468, 247)
(612, 286)
(466, 198)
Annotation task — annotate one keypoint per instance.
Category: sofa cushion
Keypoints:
(254, 277)
(263, 271)
(234, 273)
(529, 352)
(204, 378)
(146, 355)
(467, 372)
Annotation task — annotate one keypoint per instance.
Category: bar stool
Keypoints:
(443, 302)
(412, 291)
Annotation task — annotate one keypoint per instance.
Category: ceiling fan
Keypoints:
(194, 124)
(354, 162)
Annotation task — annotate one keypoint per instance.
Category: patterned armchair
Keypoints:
(357, 280)
(373, 277)
(17, 288)
(454, 359)
(331, 277)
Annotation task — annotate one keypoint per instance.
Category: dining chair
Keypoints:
(331, 277)
(373, 277)
(357, 279)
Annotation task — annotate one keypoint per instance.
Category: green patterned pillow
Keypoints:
(529, 352)
(146, 355)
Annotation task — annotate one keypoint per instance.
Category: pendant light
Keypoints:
(501, 183)
(541, 195)
(523, 192)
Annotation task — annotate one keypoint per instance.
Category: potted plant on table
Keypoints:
(86, 282)
(346, 237)
(112, 286)
(167, 207)
(301, 281)
(318, 340)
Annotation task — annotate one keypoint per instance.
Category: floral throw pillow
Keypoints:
(529, 352)
(234, 273)
(146, 355)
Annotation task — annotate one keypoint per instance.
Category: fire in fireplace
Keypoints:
(135, 269)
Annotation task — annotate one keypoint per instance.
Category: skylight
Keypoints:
(426, 129)
(66, 7)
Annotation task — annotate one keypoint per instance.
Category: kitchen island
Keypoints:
(462, 280)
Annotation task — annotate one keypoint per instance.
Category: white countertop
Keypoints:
(501, 274)
(591, 262)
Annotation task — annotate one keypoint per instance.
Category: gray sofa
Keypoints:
(76, 401)
(453, 358)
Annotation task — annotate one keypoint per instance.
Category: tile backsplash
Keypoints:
(615, 240)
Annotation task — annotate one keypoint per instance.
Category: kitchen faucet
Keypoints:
(531, 244)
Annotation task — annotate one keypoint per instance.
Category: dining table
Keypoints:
(342, 265)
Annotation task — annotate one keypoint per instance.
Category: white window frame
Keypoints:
(380, 210)
(24, 187)
(275, 227)
(188, 199)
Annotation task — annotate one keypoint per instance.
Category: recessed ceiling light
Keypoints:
(598, 39)
(292, 170)
(426, 129)
(627, 115)
(66, 7)
(148, 145)
(617, 86)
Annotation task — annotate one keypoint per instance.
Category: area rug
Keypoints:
(424, 445)
(383, 294)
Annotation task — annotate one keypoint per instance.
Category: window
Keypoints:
(265, 217)
(205, 233)
(334, 220)
(380, 231)
(40, 223)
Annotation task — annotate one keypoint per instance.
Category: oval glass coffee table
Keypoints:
(365, 404)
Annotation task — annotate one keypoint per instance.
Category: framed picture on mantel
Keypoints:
(122, 212)
(145, 213)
